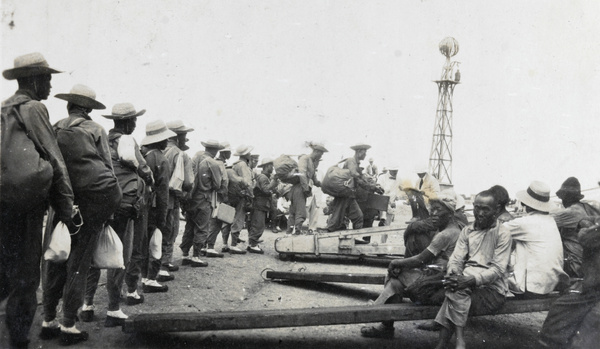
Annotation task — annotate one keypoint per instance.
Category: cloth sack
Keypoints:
(26, 172)
(178, 176)
(156, 244)
(126, 150)
(338, 182)
(109, 250)
(60, 244)
(286, 169)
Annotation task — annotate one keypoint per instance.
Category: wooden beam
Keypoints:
(213, 321)
(353, 278)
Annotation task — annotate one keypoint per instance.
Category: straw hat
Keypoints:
(318, 146)
(360, 146)
(243, 150)
(226, 146)
(123, 111)
(570, 186)
(177, 126)
(536, 196)
(211, 143)
(265, 161)
(82, 96)
(31, 64)
(157, 131)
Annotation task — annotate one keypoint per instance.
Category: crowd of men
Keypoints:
(91, 179)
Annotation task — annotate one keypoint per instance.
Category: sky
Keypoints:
(275, 74)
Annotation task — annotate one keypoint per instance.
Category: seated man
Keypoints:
(573, 319)
(537, 257)
(407, 275)
(567, 220)
(475, 279)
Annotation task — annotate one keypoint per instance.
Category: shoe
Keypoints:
(255, 249)
(170, 267)
(203, 251)
(186, 260)
(164, 278)
(133, 300)
(87, 315)
(70, 338)
(154, 287)
(378, 331)
(360, 241)
(225, 249)
(429, 326)
(112, 321)
(197, 262)
(236, 250)
(212, 253)
(49, 333)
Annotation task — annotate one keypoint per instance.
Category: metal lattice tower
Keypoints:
(440, 157)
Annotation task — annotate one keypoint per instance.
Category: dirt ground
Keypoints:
(235, 283)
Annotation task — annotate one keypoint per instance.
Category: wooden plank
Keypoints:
(354, 278)
(213, 321)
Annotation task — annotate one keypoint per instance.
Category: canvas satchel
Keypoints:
(109, 250)
(26, 172)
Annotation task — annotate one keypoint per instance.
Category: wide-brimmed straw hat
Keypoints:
(318, 146)
(82, 96)
(243, 150)
(536, 196)
(157, 131)
(178, 126)
(570, 186)
(265, 161)
(360, 146)
(226, 146)
(31, 64)
(123, 111)
(211, 143)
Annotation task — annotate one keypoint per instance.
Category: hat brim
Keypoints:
(525, 198)
(211, 146)
(23, 72)
(319, 147)
(166, 134)
(360, 147)
(80, 100)
(562, 192)
(126, 116)
(248, 151)
(263, 165)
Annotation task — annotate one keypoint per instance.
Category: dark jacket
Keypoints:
(159, 200)
(35, 116)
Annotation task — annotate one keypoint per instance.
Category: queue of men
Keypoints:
(91, 179)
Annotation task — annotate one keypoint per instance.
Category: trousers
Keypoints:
(20, 254)
(198, 221)
(297, 211)
(170, 233)
(68, 279)
(257, 226)
(344, 207)
(123, 226)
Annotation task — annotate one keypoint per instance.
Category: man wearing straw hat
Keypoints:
(342, 207)
(20, 225)
(208, 182)
(132, 173)
(84, 145)
(152, 216)
(568, 219)
(175, 148)
(241, 168)
(307, 167)
(537, 263)
(263, 193)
